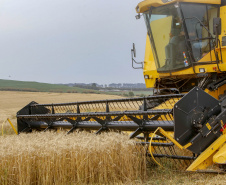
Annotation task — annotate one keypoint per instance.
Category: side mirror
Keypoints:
(133, 50)
(216, 26)
(133, 54)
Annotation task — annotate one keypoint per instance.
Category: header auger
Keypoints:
(185, 54)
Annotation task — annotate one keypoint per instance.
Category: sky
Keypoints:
(70, 41)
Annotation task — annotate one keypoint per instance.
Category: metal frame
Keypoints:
(132, 114)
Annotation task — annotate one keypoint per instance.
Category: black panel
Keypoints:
(190, 115)
(22, 125)
(224, 41)
(223, 2)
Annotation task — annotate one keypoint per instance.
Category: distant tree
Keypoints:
(94, 86)
(142, 95)
(124, 94)
(131, 94)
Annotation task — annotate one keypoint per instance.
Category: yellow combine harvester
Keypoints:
(185, 120)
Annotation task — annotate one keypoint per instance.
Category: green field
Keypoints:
(12, 85)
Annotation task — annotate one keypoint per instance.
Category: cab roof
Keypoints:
(146, 4)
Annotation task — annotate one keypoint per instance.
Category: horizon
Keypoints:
(77, 82)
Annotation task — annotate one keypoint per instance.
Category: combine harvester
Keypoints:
(185, 120)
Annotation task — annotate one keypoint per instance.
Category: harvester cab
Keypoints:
(185, 53)
(185, 43)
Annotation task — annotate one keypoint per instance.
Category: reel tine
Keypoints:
(136, 133)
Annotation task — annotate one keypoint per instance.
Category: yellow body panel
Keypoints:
(145, 5)
(149, 66)
(223, 26)
(206, 158)
(220, 156)
(217, 92)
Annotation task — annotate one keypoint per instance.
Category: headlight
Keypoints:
(202, 70)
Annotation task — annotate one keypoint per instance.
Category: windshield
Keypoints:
(167, 35)
(178, 28)
(199, 24)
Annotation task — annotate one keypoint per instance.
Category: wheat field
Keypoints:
(78, 158)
